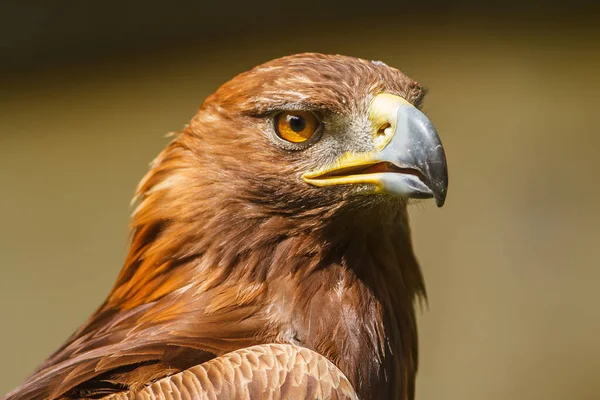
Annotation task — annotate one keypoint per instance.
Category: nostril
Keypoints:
(381, 136)
(382, 128)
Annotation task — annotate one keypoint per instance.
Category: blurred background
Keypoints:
(88, 91)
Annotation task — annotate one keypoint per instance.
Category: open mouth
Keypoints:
(366, 169)
(381, 176)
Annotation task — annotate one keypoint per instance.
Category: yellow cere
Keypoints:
(382, 114)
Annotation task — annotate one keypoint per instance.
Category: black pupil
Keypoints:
(296, 122)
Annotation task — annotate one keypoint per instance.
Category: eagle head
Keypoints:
(313, 131)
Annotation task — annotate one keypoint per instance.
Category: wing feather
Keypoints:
(266, 372)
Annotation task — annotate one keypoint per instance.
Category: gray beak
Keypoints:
(408, 159)
(416, 148)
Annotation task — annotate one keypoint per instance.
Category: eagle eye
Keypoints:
(296, 126)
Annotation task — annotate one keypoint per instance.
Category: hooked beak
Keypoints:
(408, 160)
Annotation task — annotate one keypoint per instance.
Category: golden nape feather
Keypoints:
(271, 254)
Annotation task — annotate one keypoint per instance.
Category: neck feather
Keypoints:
(339, 279)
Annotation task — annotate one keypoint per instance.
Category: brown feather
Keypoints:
(231, 249)
(264, 372)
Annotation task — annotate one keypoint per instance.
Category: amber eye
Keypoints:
(296, 126)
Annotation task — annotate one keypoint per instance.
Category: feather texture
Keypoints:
(265, 372)
(230, 249)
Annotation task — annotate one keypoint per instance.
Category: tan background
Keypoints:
(512, 261)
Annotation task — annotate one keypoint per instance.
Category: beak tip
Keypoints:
(438, 185)
(418, 146)
(440, 200)
(440, 191)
